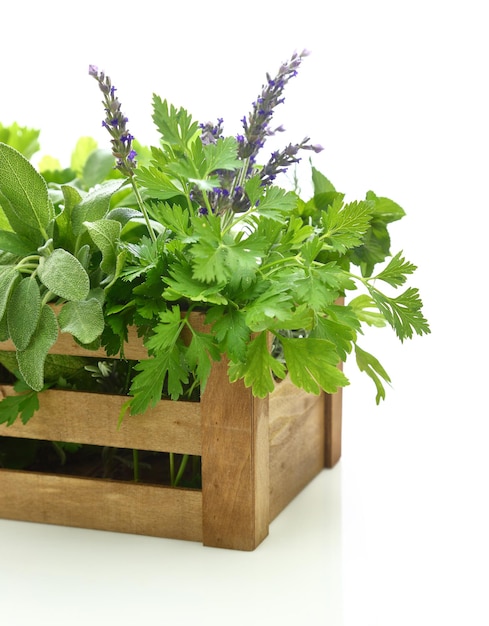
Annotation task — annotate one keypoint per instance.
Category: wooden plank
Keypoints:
(333, 413)
(297, 434)
(256, 456)
(235, 457)
(101, 505)
(92, 419)
(134, 350)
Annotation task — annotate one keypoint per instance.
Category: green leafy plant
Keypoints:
(197, 224)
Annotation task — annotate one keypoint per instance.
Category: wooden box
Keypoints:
(256, 456)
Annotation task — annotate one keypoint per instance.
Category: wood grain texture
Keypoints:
(235, 464)
(133, 349)
(257, 455)
(65, 344)
(91, 418)
(297, 436)
(333, 416)
(101, 505)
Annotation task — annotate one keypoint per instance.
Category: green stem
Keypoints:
(239, 180)
(60, 452)
(30, 262)
(143, 209)
(206, 202)
(27, 268)
(235, 220)
(364, 281)
(47, 297)
(281, 261)
(181, 470)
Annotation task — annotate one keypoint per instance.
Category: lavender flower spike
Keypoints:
(115, 122)
(257, 126)
(125, 155)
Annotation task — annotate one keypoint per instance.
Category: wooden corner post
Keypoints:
(332, 431)
(235, 464)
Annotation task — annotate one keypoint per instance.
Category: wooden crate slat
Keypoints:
(101, 505)
(257, 455)
(65, 344)
(133, 349)
(92, 419)
(297, 435)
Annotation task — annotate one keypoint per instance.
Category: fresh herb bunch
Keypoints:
(200, 226)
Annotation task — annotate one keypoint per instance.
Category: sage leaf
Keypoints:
(31, 360)
(123, 215)
(64, 275)
(24, 193)
(8, 278)
(94, 206)
(70, 198)
(9, 361)
(84, 320)
(16, 244)
(98, 167)
(23, 311)
(104, 234)
(3, 330)
(83, 255)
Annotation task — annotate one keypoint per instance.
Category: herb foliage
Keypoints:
(195, 224)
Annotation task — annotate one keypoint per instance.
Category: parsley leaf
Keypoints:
(396, 271)
(258, 368)
(345, 224)
(312, 364)
(403, 313)
(200, 353)
(231, 331)
(370, 365)
(23, 405)
(147, 385)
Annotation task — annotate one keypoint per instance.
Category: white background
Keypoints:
(396, 92)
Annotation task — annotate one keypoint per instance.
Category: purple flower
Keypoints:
(115, 122)
(256, 126)
(127, 137)
(211, 132)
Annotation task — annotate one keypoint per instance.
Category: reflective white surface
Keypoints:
(397, 534)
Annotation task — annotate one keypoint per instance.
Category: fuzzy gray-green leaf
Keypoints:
(94, 206)
(16, 244)
(8, 277)
(64, 275)
(84, 320)
(23, 311)
(24, 194)
(31, 360)
(104, 234)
